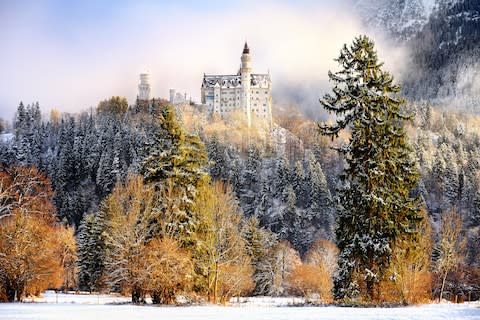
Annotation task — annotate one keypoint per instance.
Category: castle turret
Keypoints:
(246, 71)
(144, 87)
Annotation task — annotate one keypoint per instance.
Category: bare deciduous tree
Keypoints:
(451, 246)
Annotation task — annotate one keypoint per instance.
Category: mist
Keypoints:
(71, 63)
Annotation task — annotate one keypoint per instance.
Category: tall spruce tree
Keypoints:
(376, 210)
(176, 164)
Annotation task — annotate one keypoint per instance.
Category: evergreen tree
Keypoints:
(451, 177)
(91, 251)
(281, 177)
(251, 181)
(264, 207)
(290, 221)
(259, 242)
(235, 168)
(376, 209)
(20, 119)
(298, 182)
(474, 219)
(216, 155)
(176, 165)
(321, 208)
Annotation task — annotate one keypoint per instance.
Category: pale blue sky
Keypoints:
(71, 54)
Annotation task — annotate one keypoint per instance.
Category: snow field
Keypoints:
(90, 307)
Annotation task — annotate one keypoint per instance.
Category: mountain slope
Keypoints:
(445, 54)
(400, 19)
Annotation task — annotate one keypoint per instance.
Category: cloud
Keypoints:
(73, 64)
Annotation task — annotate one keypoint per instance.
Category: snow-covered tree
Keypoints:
(176, 164)
(259, 241)
(91, 251)
(375, 209)
(321, 211)
(251, 180)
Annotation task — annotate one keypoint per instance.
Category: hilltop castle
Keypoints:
(144, 88)
(250, 93)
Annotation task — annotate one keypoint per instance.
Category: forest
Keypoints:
(157, 200)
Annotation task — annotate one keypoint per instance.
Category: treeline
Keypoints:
(83, 154)
(163, 225)
(274, 199)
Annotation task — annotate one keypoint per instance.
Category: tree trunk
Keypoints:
(11, 293)
(136, 295)
(370, 289)
(215, 283)
(443, 286)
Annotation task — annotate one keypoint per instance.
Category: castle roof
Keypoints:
(246, 50)
(234, 81)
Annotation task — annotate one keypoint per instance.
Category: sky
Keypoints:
(70, 55)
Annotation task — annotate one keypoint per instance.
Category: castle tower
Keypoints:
(144, 87)
(245, 72)
(172, 96)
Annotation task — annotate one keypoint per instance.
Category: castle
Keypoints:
(144, 88)
(250, 93)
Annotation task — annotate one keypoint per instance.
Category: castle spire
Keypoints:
(246, 50)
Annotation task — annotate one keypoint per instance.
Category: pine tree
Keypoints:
(281, 177)
(251, 181)
(176, 165)
(264, 208)
(216, 155)
(259, 242)
(20, 120)
(235, 169)
(321, 208)
(474, 219)
(451, 177)
(290, 218)
(91, 251)
(376, 209)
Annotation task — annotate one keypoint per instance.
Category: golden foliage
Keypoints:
(222, 261)
(168, 270)
(452, 245)
(284, 259)
(313, 278)
(114, 105)
(30, 238)
(67, 253)
(136, 262)
(410, 280)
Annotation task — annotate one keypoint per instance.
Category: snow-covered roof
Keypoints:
(234, 81)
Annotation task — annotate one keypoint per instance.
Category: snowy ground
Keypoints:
(86, 307)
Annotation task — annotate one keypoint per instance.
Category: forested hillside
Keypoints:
(86, 155)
